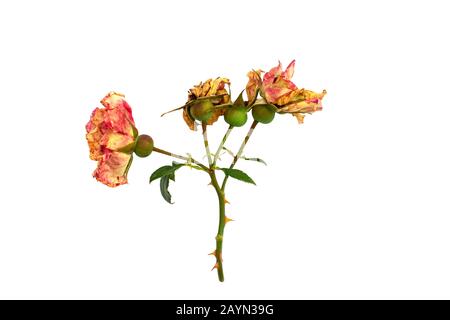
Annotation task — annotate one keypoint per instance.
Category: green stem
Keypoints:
(222, 221)
(205, 141)
(225, 137)
(170, 154)
(241, 150)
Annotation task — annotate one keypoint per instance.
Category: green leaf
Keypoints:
(239, 101)
(165, 171)
(238, 174)
(164, 185)
(172, 175)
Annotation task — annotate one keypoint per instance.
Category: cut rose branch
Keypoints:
(113, 138)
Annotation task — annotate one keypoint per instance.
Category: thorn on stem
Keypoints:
(226, 201)
(228, 219)
(212, 253)
(216, 266)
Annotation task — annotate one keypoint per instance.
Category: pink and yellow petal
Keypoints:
(293, 95)
(115, 100)
(312, 96)
(115, 141)
(253, 84)
(116, 104)
(311, 101)
(217, 85)
(112, 168)
(94, 134)
(299, 117)
(289, 72)
(273, 73)
(118, 120)
(275, 91)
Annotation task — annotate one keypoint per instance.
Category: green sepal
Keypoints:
(129, 148)
(128, 166)
(239, 103)
(135, 132)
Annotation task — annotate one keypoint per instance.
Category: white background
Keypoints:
(353, 204)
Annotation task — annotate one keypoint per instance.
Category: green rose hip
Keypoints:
(236, 116)
(201, 110)
(263, 113)
(144, 146)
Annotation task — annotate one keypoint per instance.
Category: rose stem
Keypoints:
(170, 154)
(225, 137)
(241, 150)
(222, 221)
(221, 195)
(205, 141)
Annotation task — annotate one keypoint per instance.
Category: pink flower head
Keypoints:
(277, 88)
(277, 83)
(111, 134)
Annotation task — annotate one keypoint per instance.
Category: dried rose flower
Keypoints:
(111, 135)
(277, 88)
(198, 95)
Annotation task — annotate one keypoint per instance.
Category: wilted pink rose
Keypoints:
(277, 88)
(111, 135)
(277, 83)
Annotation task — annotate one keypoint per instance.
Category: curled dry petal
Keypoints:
(109, 130)
(112, 168)
(289, 72)
(309, 102)
(188, 119)
(254, 82)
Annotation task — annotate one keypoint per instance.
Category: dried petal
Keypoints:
(299, 117)
(289, 72)
(312, 102)
(253, 84)
(189, 121)
(111, 169)
(273, 73)
(94, 134)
